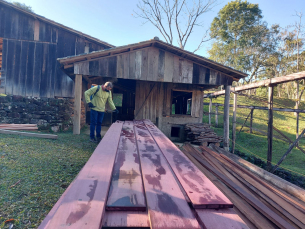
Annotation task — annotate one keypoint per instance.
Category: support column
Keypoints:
(226, 123)
(210, 112)
(216, 116)
(297, 107)
(251, 120)
(77, 104)
(270, 124)
(234, 122)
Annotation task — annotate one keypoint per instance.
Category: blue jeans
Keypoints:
(96, 119)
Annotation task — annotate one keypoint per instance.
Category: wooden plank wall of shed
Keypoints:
(30, 50)
(157, 107)
(153, 64)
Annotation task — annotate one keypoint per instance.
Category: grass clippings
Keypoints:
(34, 173)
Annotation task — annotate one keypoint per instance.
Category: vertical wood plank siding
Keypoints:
(29, 65)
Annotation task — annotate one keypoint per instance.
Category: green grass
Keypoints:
(44, 167)
(256, 144)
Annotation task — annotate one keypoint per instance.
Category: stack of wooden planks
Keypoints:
(259, 203)
(19, 126)
(201, 134)
(137, 178)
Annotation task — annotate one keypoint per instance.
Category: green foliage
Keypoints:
(44, 169)
(242, 40)
(23, 6)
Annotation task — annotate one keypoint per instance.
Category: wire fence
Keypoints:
(257, 144)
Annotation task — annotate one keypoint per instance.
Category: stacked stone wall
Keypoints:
(48, 113)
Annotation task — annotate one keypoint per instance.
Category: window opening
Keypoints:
(181, 102)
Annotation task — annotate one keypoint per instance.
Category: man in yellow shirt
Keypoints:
(99, 96)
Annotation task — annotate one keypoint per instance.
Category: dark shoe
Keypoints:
(98, 139)
(93, 140)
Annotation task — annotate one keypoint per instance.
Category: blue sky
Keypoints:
(113, 21)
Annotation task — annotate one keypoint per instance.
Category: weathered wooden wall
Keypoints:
(152, 64)
(30, 50)
(158, 104)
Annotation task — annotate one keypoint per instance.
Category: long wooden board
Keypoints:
(52, 136)
(126, 189)
(201, 191)
(167, 207)
(221, 218)
(84, 202)
(123, 219)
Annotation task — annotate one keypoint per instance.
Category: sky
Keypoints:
(114, 21)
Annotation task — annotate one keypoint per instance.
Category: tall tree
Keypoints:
(175, 18)
(242, 40)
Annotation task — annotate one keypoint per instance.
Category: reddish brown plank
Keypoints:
(167, 207)
(126, 189)
(221, 218)
(84, 201)
(201, 191)
(122, 219)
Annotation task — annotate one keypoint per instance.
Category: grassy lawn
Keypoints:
(256, 144)
(41, 169)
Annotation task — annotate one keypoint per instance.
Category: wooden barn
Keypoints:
(29, 47)
(157, 81)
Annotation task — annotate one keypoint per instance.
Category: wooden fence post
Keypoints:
(251, 120)
(270, 124)
(77, 104)
(216, 116)
(210, 111)
(226, 120)
(234, 123)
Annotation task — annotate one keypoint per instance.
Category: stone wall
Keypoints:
(48, 113)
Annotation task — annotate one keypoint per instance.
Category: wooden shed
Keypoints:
(29, 47)
(157, 81)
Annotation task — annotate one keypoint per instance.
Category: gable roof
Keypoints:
(70, 60)
(48, 21)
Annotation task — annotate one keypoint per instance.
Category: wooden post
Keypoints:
(297, 114)
(216, 116)
(77, 104)
(226, 121)
(210, 111)
(270, 124)
(234, 122)
(251, 120)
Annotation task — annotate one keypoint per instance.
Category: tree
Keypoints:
(242, 40)
(23, 6)
(175, 17)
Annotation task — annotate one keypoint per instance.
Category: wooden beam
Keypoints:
(234, 122)
(167, 207)
(226, 121)
(83, 203)
(210, 111)
(251, 120)
(200, 190)
(260, 108)
(77, 104)
(216, 116)
(264, 83)
(51, 136)
(270, 124)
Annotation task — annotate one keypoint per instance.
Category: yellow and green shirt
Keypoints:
(100, 99)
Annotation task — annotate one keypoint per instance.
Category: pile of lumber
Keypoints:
(137, 178)
(19, 126)
(259, 203)
(201, 134)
